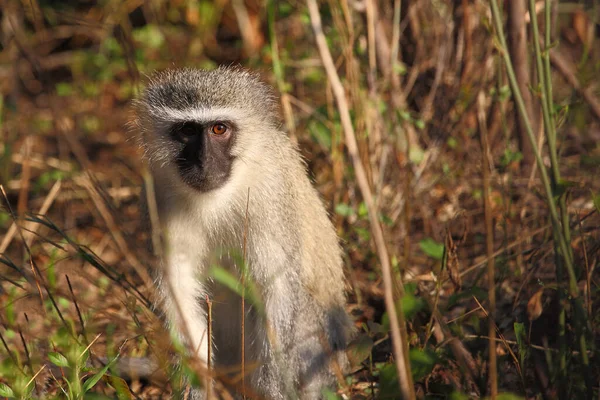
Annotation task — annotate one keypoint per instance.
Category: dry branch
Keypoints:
(31, 227)
(564, 67)
(489, 236)
(404, 374)
(517, 42)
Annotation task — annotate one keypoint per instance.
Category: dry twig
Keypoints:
(489, 235)
(563, 66)
(31, 227)
(517, 40)
(404, 374)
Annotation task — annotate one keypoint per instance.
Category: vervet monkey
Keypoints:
(227, 179)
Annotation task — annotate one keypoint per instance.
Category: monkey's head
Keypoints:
(200, 122)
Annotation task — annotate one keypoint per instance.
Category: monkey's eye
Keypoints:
(187, 133)
(218, 129)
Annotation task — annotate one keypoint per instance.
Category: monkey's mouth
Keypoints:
(192, 173)
(200, 168)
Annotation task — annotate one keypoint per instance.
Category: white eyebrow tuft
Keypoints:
(199, 114)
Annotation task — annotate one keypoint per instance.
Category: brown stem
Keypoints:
(404, 373)
(489, 234)
(517, 45)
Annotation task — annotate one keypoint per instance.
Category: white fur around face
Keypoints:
(199, 114)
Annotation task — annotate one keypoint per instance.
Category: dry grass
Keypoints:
(72, 271)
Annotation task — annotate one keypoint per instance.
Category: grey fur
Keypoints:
(292, 251)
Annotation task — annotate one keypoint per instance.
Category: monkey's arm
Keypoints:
(182, 292)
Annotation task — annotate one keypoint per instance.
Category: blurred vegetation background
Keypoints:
(479, 131)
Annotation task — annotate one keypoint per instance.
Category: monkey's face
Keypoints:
(202, 152)
(197, 124)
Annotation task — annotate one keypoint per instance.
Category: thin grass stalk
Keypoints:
(552, 132)
(543, 66)
(561, 235)
(546, 100)
(497, 21)
(395, 314)
(489, 234)
(35, 270)
(547, 71)
(152, 211)
(588, 286)
(277, 68)
(562, 332)
(209, 337)
(278, 71)
(243, 306)
(544, 73)
(395, 35)
(370, 9)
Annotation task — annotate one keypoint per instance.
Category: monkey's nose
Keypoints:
(191, 154)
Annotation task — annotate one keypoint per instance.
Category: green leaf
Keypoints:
(191, 375)
(386, 220)
(150, 36)
(510, 156)
(344, 210)
(587, 160)
(446, 168)
(416, 155)
(320, 133)
(83, 356)
(452, 143)
(6, 391)
(314, 75)
(328, 394)
(404, 115)
(364, 234)
(521, 335)
(91, 382)
(91, 123)
(504, 92)
(411, 305)
(363, 212)
(389, 388)
(374, 327)
(399, 68)
(432, 248)
(596, 201)
(508, 396)
(207, 12)
(58, 359)
(359, 349)
(458, 396)
(468, 293)
(422, 363)
(226, 279)
(120, 386)
(562, 186)
(64, 89)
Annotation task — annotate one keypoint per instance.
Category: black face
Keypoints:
(204, 160)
